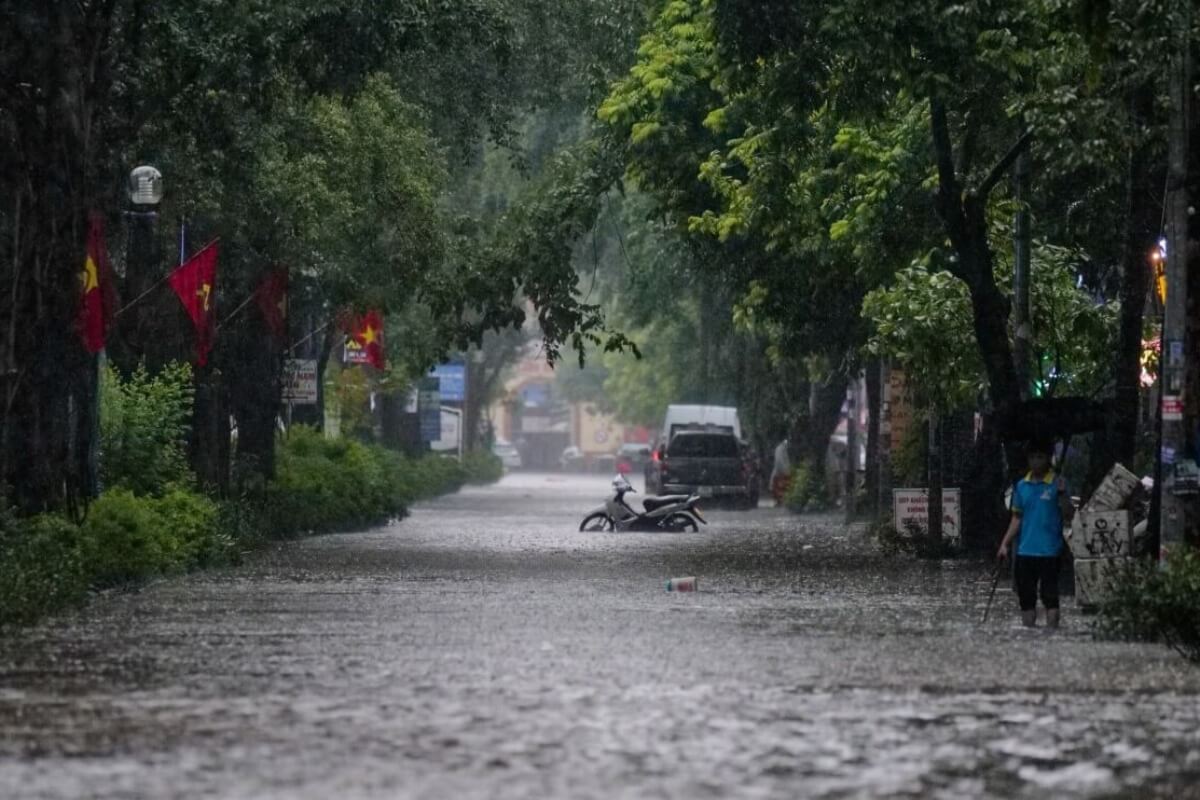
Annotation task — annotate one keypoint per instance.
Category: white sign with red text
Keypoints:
(911, 510)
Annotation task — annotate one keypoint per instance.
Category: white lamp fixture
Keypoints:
(145, 186)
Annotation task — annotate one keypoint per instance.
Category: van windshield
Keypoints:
(703, 445)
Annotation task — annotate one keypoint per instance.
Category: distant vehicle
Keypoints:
(571, 459)
(708, 462)
(689, 416)
(508, 454)
(630, 456)
(604, 463)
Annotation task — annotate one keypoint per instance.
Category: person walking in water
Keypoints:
(1040, 506)
(781, 472)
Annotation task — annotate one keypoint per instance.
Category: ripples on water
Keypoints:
(484, 649)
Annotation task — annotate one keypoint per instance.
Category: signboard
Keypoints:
(910, 508)
(429, 403)
(1172, 408)
(448, 439)
(452, 378)
(300, 381)
(355, 353)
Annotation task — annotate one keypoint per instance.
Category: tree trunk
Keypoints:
(851, 484)
(475, 392)
(1022, 257)
(253, 382)
(874, 450)
(210, 432)
(964, 217)
(935, 481)
(825, 411)
(54, 57)
(1144, 177)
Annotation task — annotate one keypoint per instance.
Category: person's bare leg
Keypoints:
(1029, 618)
(1052, 617)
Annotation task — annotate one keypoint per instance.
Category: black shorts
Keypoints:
(1032, 573)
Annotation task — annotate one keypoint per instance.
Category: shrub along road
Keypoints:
(483, 648)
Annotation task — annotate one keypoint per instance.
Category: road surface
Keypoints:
(483, 648)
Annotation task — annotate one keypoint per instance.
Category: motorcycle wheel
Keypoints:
(598, 521)
(680, 522)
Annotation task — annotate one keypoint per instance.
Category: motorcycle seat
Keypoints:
(652, 503)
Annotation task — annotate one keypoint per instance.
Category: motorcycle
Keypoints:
(672, 512)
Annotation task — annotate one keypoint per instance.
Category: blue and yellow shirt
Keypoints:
(1036, 501)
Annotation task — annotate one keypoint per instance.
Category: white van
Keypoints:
(718, 417)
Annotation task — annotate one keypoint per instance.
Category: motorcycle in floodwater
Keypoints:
(672, 512)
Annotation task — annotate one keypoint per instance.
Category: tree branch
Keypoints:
(1003, 164)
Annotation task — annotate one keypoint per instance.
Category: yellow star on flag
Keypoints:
(89, 276)
(204, 291)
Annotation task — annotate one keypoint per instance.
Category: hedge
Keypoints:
(1149, 602)
(322, 485)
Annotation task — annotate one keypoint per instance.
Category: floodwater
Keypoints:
(483, 648)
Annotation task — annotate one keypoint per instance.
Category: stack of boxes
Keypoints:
(1101, 536)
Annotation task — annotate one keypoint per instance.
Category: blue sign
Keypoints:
(453, 380)
(536, 395)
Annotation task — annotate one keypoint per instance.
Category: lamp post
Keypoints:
(145, 192)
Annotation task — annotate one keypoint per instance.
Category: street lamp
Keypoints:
(145, 186)
(145, 192)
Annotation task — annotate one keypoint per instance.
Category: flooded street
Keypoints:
(484, 648)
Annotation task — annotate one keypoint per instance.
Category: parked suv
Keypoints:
(707, 461)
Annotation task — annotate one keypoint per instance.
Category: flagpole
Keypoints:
(294, 345)
(234, 313)
(141, 296)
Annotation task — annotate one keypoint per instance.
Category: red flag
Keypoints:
(98, 301)
(272, 298)
(368, 332)
(195, 282)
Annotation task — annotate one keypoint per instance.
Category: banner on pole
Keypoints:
(300, 381)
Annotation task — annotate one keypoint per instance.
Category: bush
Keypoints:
(143, 429)
(438, 475)
(806, 492)
(482, 467)
(41, 567)
(126, 540)
(192, 521)
(1149, 603)
(129, 538)
(324, 485)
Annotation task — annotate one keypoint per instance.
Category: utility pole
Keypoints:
(1173, 451)
(1023, 344)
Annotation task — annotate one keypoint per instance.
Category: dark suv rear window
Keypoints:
(703, 445)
